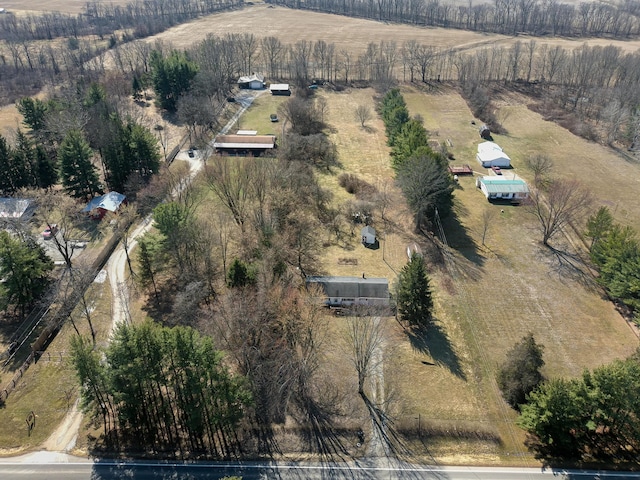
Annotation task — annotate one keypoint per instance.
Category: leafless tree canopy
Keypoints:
(561, 204)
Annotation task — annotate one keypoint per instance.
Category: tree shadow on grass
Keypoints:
(434, 341)
(458, 238)
(569, 265)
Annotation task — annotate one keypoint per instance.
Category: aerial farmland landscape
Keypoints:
(310, 239)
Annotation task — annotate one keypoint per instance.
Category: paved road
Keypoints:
(62, 467)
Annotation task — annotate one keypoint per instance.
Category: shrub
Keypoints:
(356, 186)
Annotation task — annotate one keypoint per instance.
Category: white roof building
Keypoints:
(490, 154)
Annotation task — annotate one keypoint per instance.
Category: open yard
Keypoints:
(492, 295)
(487, 296)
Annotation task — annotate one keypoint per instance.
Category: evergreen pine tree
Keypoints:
(79, 175)
(413, 294)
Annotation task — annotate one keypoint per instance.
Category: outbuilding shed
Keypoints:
(490, 154)
(280, 89)
(503, 188)
(368, 235)
(347, 291)
(253, 82)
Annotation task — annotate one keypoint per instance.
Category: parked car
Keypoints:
(50, 232)
(496, 170)
(191, 153)
(231, 99)
(273, 117)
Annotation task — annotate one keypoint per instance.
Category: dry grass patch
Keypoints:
(49, 387)
(350, 34)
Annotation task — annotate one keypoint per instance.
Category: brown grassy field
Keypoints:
(64, 6)
(351, 34)
(495, 294)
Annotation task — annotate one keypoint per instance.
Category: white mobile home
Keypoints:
(503, 188)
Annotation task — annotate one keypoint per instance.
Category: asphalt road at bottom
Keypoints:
(383, 470)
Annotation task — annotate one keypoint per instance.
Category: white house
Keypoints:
(503, 188)
(491, 155)
(253, 82)
(368, 235)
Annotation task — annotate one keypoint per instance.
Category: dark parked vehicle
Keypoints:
(273, 117)
(496, 170)
(231, 99)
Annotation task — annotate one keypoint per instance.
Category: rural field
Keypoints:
(491, 295)
(350, 34)
(64, 6)
(488, 296)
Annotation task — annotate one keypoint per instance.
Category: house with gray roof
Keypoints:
(347, 291)
(16, 208)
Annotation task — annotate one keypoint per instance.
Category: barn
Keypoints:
(280, 89)
(347, 291)
(490, 154)
(244, 145)
(252, 82)
(109, 202)
(502, 188)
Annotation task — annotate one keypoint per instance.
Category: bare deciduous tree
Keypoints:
(541, 166)
(363, 114)
(561, 204)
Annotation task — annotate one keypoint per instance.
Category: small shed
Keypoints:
(502, 188)
(253, 82)
(280, 89)
(490, 154)
(109, 202)
(347, 291)
(368, 235)
(485, 132)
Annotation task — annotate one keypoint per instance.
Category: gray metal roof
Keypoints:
(353, 287)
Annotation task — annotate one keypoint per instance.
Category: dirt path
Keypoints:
(63, 439)
(377, 445)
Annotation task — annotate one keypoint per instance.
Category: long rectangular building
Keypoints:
(246, 145)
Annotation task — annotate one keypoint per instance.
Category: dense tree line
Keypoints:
(615, 250)
(73, 131)
(25, 165)
(510, 17)
(594, 417)
(99, 18)
(421, 173)
(162, 389)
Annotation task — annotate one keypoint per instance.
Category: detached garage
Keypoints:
(490, 154)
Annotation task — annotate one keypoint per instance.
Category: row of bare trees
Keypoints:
(534, 17)
(101, 18)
